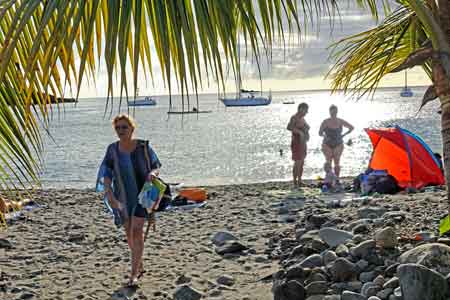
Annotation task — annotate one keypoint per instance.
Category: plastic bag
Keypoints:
(151, 194)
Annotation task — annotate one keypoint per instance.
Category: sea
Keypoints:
(233, 145)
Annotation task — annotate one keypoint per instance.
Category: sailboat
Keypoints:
(147, 101)
(246, 97)
(406, 91)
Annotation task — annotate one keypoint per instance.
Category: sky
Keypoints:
(298, 67)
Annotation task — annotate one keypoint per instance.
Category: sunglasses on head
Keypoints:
(123, 127)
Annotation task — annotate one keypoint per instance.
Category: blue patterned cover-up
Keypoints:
(128, 173)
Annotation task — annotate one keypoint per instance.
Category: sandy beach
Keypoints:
(70, 249)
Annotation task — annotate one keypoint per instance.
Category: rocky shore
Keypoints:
(258, 241)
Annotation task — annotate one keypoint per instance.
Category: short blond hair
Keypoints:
(125, 117)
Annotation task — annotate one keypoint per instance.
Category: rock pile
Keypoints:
(330, 257)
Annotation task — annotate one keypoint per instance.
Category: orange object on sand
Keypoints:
(194, 194)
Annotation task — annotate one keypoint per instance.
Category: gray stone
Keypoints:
(316, 221)
(384, 293)
(370, 289)
(418, 283)
(332, 297)
(342, 251)
(367, 212)
(316, 297)
(185, 292)
(291, 290)
(5, 244)
(342, 270)
(283, 210)
(221, 237)
(353, 224)
(367, 276)
(391, 283)
(309, 236)
(347, 295)
(316, 288)
(394, 215)
(352, 286)
(318, 245)
(435, 256)
(378, 221)
(182, 280)
(362, 264)
(358, 238)
(295, 271)
(334, 237)
(364, 249)
(328, 257)
(398, 292)
(361, 228)
(299, 233)
(391, 270)
(312, 261)
(316, 277)
(379, 280)
(386, 238)
(230, 247)
(225, 280)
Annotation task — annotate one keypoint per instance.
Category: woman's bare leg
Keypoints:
(337, 153)
(328, 153)
(137, 251)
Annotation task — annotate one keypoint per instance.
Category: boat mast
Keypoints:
(406, 79)
(239, 83)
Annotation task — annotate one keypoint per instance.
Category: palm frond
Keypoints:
(363, 59)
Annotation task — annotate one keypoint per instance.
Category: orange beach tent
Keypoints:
(405, 156)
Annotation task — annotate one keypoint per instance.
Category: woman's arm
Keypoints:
(109, 193)
(322, 128)
(348, 126)
(155, 164)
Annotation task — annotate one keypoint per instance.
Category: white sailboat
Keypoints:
(246, 97)
(406, 91)
(147, 101)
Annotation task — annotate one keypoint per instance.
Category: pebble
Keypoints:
(386, 238)
(226, 280)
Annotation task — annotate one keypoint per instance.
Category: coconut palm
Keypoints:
(415, 33)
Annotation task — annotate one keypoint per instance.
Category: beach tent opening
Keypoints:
(405, 156)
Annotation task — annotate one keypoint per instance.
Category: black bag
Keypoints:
(386, 185)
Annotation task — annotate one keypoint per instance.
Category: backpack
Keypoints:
(386, 185)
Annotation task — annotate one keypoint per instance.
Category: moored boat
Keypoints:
(247, 98)
(147, 101)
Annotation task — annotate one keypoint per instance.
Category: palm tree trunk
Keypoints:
(442, 86)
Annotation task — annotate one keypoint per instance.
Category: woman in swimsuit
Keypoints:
(333, 145)
(300, 136)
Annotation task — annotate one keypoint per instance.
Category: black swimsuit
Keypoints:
(333, 137)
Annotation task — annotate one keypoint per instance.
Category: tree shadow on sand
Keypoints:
(124, 293)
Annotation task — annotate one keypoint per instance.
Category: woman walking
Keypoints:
(127, 165)
(300, 136)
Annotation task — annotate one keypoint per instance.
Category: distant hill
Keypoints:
(53, 99)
